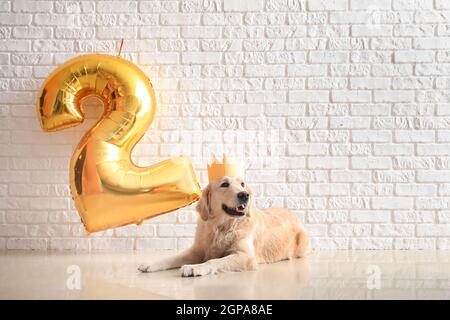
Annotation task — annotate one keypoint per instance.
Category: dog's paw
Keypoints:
(196, 270)
(146, 268)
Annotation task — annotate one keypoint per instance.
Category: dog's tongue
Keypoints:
(240, 208)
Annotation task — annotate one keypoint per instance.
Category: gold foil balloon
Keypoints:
(108, 189)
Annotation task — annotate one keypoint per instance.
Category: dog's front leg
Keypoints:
(176, 261)
(239, 261)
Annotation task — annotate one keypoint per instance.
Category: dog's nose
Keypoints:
(243, 196)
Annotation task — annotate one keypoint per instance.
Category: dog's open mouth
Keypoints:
(238, 211)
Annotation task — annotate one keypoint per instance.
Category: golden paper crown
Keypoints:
(218, 170)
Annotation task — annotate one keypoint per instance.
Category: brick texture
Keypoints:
(339, 109)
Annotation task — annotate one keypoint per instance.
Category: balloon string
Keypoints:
(120, 48)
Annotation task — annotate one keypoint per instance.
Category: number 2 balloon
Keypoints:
(109, 190)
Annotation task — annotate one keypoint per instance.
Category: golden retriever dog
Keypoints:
(233, 235)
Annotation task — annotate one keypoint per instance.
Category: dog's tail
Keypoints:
(303, 247)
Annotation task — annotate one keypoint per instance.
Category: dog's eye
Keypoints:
(225, 185)
(243, 185)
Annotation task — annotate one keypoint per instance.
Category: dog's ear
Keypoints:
(203, 205)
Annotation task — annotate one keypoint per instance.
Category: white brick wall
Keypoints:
(340, 110)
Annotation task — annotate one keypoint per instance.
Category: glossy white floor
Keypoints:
(323, 275)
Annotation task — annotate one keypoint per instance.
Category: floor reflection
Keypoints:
(323, 275)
